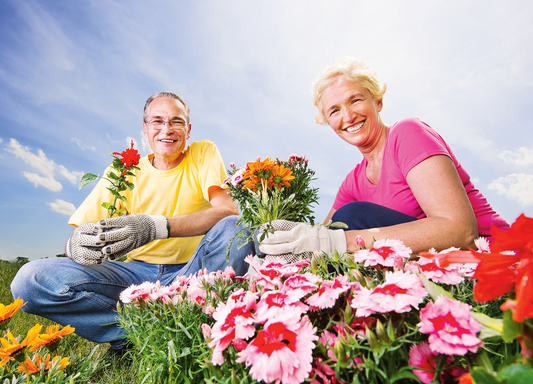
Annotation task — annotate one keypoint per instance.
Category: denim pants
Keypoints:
(86, 297)
(365, 215)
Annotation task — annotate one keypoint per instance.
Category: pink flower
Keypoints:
(234, 319)
(237, 177)
(296, 158)
(432, 271)
(329, 292)
(452, 329)
(400, 291)
(482, 245)
(282, 351)
(389, 253)
(232, 165)
(421, 356)
(302, 283)
(270, 273)
(136, 292)
(206, 331)
(360, 241)
(273, 303)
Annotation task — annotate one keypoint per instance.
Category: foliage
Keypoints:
(377, 316)
(118, 181)
(271, 190)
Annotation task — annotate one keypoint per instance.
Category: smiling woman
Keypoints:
(409, 186)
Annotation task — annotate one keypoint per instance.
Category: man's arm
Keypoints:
(198, 223)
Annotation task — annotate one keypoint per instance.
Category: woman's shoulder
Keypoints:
(412, 129)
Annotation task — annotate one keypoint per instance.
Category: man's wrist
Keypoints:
(162, 227)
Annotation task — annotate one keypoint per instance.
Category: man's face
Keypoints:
(166, 141)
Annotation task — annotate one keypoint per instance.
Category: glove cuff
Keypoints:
(338, 240)
(162, 228)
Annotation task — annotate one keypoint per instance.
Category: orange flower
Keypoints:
(281, 176)
(52, 337)
(466, 379)
(34, 367)
(260, 169)
(254, 183)
(13, 350)
(7, 312)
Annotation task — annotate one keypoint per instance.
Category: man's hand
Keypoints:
(298, 238)
(84, 246)
(125, 233)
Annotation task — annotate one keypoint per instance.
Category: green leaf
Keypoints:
(112, 175)
(86, 179)
(481, 376)
(403, 375)
(106, 205)
(511, 329)
(513, 372)
(434, 290)
(489, 327)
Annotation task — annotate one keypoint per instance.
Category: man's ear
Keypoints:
(145, 131)
(189, 131)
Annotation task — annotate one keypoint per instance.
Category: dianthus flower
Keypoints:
(136, 292)
(388, 253)
(329, 292)
(452, 329)
(400, 291)
(282, 351)
(430, 269)
(272, 303)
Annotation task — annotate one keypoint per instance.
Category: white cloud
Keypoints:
(144, 144)
(517, 186)
(47, 182)
(522, 156)
(62, 207)
(83, 146)
(46, 167)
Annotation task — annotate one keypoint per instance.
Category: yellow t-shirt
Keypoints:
(179, 191)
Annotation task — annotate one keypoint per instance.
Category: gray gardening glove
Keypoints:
(84, 246)
(125, 233)
(300, 238)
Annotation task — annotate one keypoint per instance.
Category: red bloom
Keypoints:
(130, 156)
(495, 275)
(518, 238)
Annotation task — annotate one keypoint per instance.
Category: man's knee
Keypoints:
(22, 284)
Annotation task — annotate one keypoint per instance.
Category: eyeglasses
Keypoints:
(159, 123)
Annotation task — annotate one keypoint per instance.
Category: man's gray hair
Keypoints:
(165, 94)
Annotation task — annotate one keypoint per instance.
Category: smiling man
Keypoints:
(179, 221)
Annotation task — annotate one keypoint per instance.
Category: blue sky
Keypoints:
(74, 76)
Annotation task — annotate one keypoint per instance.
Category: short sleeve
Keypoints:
(211, 167)
(413, 141)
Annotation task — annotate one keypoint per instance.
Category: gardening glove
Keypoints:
(300, 238)
(84, 246)
(125, 233)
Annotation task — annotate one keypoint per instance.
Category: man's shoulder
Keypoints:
(201, 145)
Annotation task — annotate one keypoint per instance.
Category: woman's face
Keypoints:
(353, 113)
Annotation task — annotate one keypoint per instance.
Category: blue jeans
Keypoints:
(365, 215)
(86, 297)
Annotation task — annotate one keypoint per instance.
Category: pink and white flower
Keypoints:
(423, 357)
(273, 303)
(432, 271)
(282, 351)
(329, 292)
(400, 291)
(271, 272)
(234, 319)
(452, 329)
(302, 283)
(388, 253)
(136, 292)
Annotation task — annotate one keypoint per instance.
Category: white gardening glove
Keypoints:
(125, 233)
(298, 238)
(84, 246)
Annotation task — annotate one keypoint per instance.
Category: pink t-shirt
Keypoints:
(409, 142)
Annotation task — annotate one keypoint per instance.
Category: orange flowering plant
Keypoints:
(270, 190)
(129, 159)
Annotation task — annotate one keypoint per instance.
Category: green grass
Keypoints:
(73, 346)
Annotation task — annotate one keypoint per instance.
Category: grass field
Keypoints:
(73, 346)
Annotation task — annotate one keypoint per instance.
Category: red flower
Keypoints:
(495, 275)
(518, 238)
(130, 156)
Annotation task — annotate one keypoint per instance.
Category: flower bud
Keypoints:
(372, 340)
(340, 353)
(382, 333)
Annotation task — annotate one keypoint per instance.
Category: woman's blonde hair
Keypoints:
(351, 69)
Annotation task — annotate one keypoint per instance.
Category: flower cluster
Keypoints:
(375, 316)
(269, 190)
(123, 165)
(13, 350)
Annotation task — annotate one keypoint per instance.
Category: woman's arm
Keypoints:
(450, 220)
